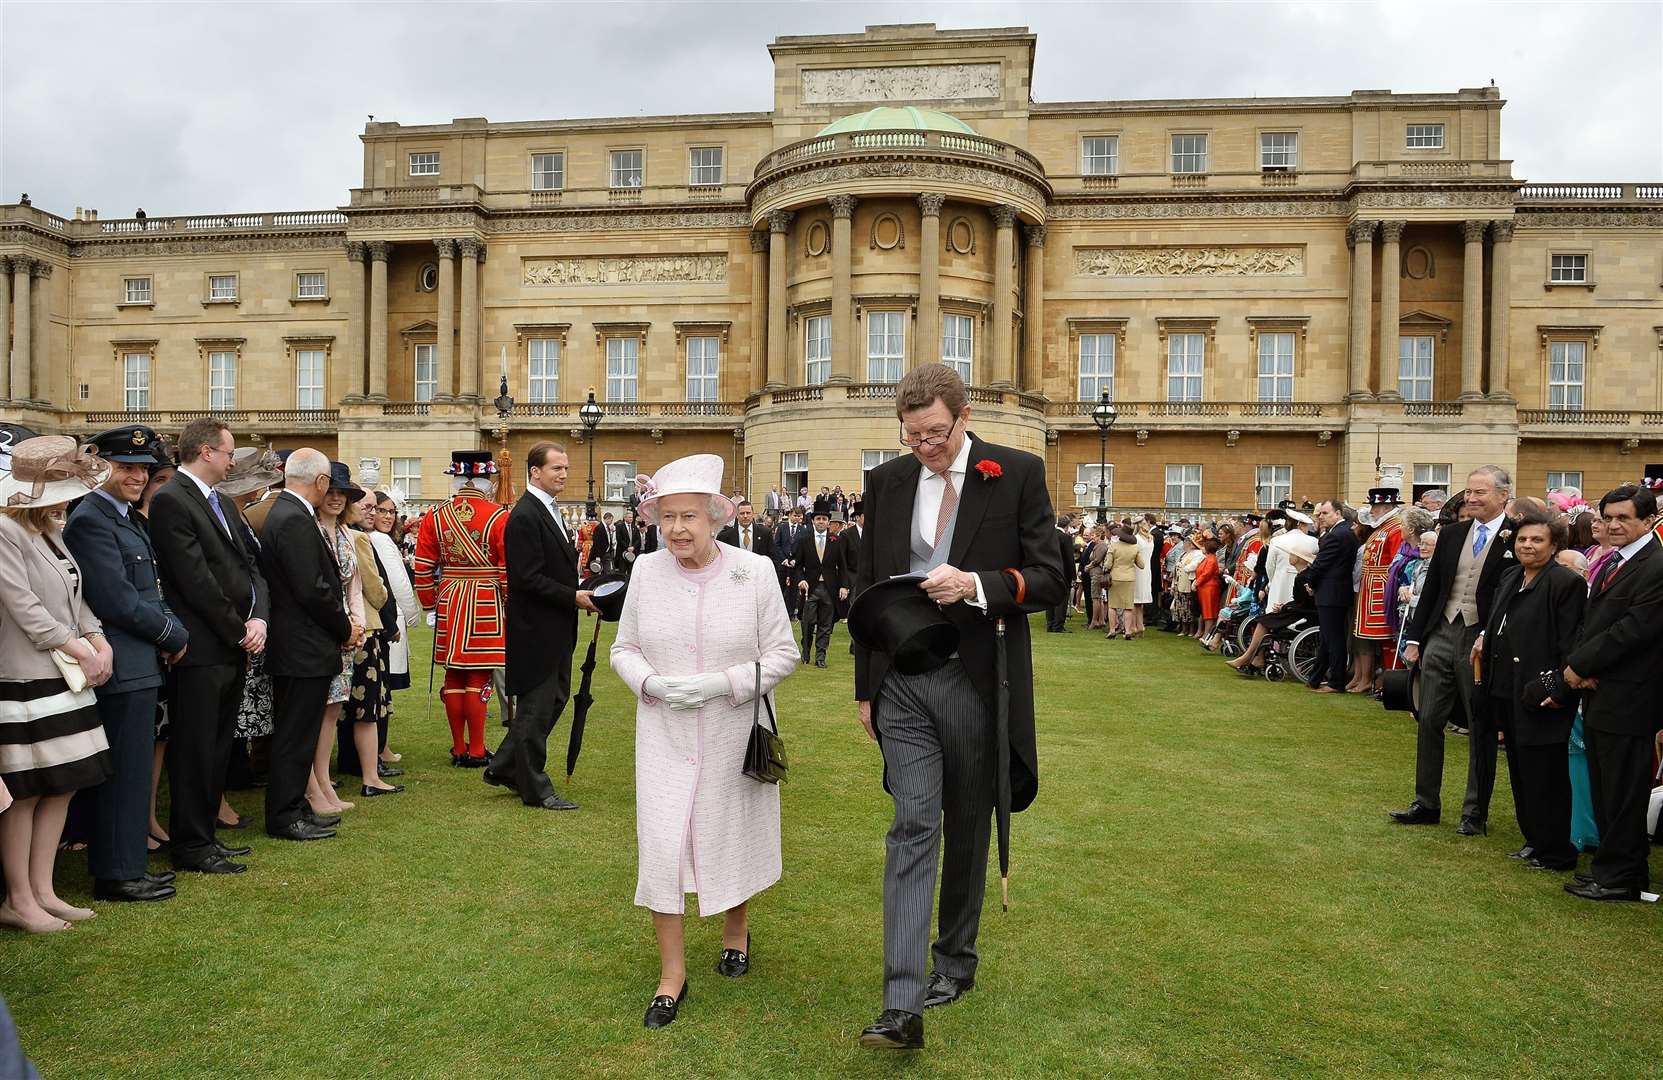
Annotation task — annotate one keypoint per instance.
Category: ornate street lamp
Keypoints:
(591, 413)
(505, 408)
(1103, 414)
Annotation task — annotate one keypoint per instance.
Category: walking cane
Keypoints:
(1002, 734)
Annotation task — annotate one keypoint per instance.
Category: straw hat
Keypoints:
(696, 474)
(50, 470)
(252, 469)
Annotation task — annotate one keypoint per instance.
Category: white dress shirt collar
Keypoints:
(207, 488)
(548, 504)
(1628, 551)
(310, 509)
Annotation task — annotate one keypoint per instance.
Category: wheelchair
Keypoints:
(1293, 649)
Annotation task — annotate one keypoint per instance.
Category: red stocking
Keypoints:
(455, 696)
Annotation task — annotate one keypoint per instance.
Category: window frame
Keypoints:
(612, 170)
(140, 387)
(437, 163)
(1431, 376)
(885, 455)
(1198, 375)
(217, 385)
(812, 356)
(1409, 135)
(322, 387)
(964, 364)
(711, 354)
(559, 173)
(1182, 484)
(399, 477)
(888, 317)
(1173, 153)
(208, 280)
(1585, 265)
(626, 381)
(1276, 377)
(693, 167)
(1271, 492)
(1112, 157)
(1580, 385)
(418, 351)
(1290, 165)
(1564, 481)
(301, 296)
(625, 485)
(130, 299)
(1099, 379)
(541, 386)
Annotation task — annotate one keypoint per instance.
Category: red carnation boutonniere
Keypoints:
(989, 469)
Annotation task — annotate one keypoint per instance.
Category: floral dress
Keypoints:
(346, 556)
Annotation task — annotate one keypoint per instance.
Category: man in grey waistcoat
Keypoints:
(975, 518)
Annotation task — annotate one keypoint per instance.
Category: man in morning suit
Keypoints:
(543, 602)
(1615, 663)
(1056, 617)
(1454, 606)
(975, 518)
(309, 627)
(118, 569)
(627, 542)
(817, 584)
(745, 531)
(848, 559)
(1331, 582)
(214, 586)
(785, 556)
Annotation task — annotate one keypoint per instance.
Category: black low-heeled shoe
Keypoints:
(735, 962)
(662, 1011)
(371, 792)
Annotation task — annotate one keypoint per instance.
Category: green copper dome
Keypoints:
(905, 118)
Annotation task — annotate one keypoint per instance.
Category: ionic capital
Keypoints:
(843, 206)
(931, 203)
(779, 221)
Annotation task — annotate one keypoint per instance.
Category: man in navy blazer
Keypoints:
(1331, 582)
(118, 573)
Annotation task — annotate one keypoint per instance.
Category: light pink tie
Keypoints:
(949, 504)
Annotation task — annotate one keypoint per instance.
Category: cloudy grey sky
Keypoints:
(191, 107)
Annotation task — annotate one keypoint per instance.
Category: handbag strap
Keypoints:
(762, 700)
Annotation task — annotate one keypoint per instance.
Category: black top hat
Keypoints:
(1287, 504)
(340, 479)
(1400, 689)
(607, 591)
(857, 508)
(897, 617)
(1384, 496)
(131, 444)
(471, 463)
(1252, 519)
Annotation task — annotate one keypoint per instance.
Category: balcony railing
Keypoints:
(1212, 410)
(621, 409)
(239, 419)
(1591, 193)
(192, 225)
(1590, 418)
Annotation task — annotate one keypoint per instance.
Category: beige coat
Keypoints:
(375, 589)
(40, 603)
(1124, 561)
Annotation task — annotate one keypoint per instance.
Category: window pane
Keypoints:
(548, 172)
(817, 351)
(956, 342)
(1275, 367)
(1096, 366)
(137, 290)
(1425, 137)
(884, 346)
(1275, 483)
(222, 286)
(705, 165)
(703, 381)
(1414, 368)
(427, 372)
(308, 378)
(626, 168)
(1185, 354)
(622, 360)
(543, 369)
(136, 373)
(424, 164)
(222, 380)
(1189, 153)
(1183, 486)
(1278, 150)
(1100, 155)
(619, 480)
(407, 477)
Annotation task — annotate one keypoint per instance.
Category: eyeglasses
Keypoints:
(931, 439)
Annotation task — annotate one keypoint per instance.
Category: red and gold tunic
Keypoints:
(460, 572)
(1247, 560)
(1378, 552)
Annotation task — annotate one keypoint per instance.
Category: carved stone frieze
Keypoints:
(1217, 261)
(414, 219)
(1182, 208)
(28, 237)
(911, 82)
(1534, 217)
(625, 269)
(908, 170)
(229, 245)
(1434, 199)
(617, 221)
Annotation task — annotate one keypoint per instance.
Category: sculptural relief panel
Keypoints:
(913, 82)
(1215, 261)
(625, 269)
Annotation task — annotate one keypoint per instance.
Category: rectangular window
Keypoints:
(703, 380)
(407, 477)
(1278, 151)
(704, 166)
(817, 351)
(1565, 480)
(1275, 483)
(1090, 474)
(427, 371)
(1568, 269)
(1183, 486)
(136, 290)
(885, 346)
(623, 368)
(1100, 155)
(957, 340)
(308, 381)
(311, 285)
(1567, 364)
(793, 473)
(619, 481)
(1185, 356)
(627, 168)
(1096, 366)
(222, 381)
(1430, 478)
(424, 164)
(548, 172)
(1275, 367)
(543, 369)
(136, 372)
(1189, 153)
(1414, 368)
(222, 287)
(1424, 137)
(871, 459)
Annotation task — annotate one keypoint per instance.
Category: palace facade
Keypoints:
(1277, 294)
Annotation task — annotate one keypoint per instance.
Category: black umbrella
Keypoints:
(1002, 726)
(580, 705)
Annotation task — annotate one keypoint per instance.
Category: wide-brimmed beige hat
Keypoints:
(252, 469)
(696, 474)
(50, 470)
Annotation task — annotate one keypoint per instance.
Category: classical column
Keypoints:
(843, 303)
(40, 359)
(928, 347)
(352, 295)
(759, 310)
(22, 340)
(378, 251)
(5, 325)
(1360, 236)
(468, 383)
(779, 225)
(1033, 313)
(1501, 267)
(1391, 270)
(445, 355)
(1002, 368)
(1472, 310)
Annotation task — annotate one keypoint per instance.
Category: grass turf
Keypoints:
(1207, 886)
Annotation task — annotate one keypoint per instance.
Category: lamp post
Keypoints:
(590, 413)
(505, 408)
(1103, 415)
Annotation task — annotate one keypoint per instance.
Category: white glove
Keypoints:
(693, 691)
(656, 686)
(433, 618)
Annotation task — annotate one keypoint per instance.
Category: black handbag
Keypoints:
(765, 754)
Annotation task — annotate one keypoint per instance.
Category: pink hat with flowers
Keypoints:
(696, 474)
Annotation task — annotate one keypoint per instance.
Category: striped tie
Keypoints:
(949, 505)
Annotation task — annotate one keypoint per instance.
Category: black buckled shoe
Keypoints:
(662, 1012)
(894, 1029)
(735, 962)
(944, 989)
(303, 829)
(1415, 814)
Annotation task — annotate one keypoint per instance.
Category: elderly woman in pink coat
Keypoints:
(699, 619)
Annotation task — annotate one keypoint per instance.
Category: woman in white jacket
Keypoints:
(398, 583)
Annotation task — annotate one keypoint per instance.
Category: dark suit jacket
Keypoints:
(1003, 522)
(649, 539)
(622, 541)
(1331, 569)
(762, 537)
(542, 597)
(1065, 548)
(1542, 624)
(309, 623)
(785, 547)
(1440, 577)
(213, 580)
(849, 543)
(814, 569)
(1621, 645)
(119, 583)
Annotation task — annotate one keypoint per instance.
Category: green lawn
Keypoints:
(1207, 886)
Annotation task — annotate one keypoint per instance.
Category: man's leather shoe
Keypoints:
(1583, 879)
(1523, 853)
(386, 771)
(1558, 868)
(1593, 890)
(894, 1029)
(470, 762)
(555, 802)
(138, 889)
(662, 1011)
(944, 989)
(371, 792)
(819, 663)
(496, 779)
(164, 878)
(301, 829)
(1471, 827)
(735, 962)
(1416, 814)
(214, 864)
(227, 852)
(322, 821)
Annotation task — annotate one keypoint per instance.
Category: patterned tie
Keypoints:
(745, 538)
(1607, 571)
(819, 545)
(949, 506)
(213, 501)
(1478, 540)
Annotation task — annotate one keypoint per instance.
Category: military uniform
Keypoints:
(1379, 550)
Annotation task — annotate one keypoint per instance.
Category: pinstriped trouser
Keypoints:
(937, 738)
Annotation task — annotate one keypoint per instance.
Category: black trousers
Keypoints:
(522, 756)
(819, 616)
(297, 709)
(1057, 618)
(201, 722)
(1542, 798)
(1332, 624)
(122, 803)
(1619, 771)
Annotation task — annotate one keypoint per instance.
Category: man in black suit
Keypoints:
(1615, 663)
(745, 531)
(215, 587)
(849, 542)
(626, 542)
(1331, 582)
(976, 519)
(649, 539)
(543, 602)
(817, 584)
(309, 628)
(1056, 617)
(1454, 606)
(604, 548)
(118, 574)
(785, 557)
